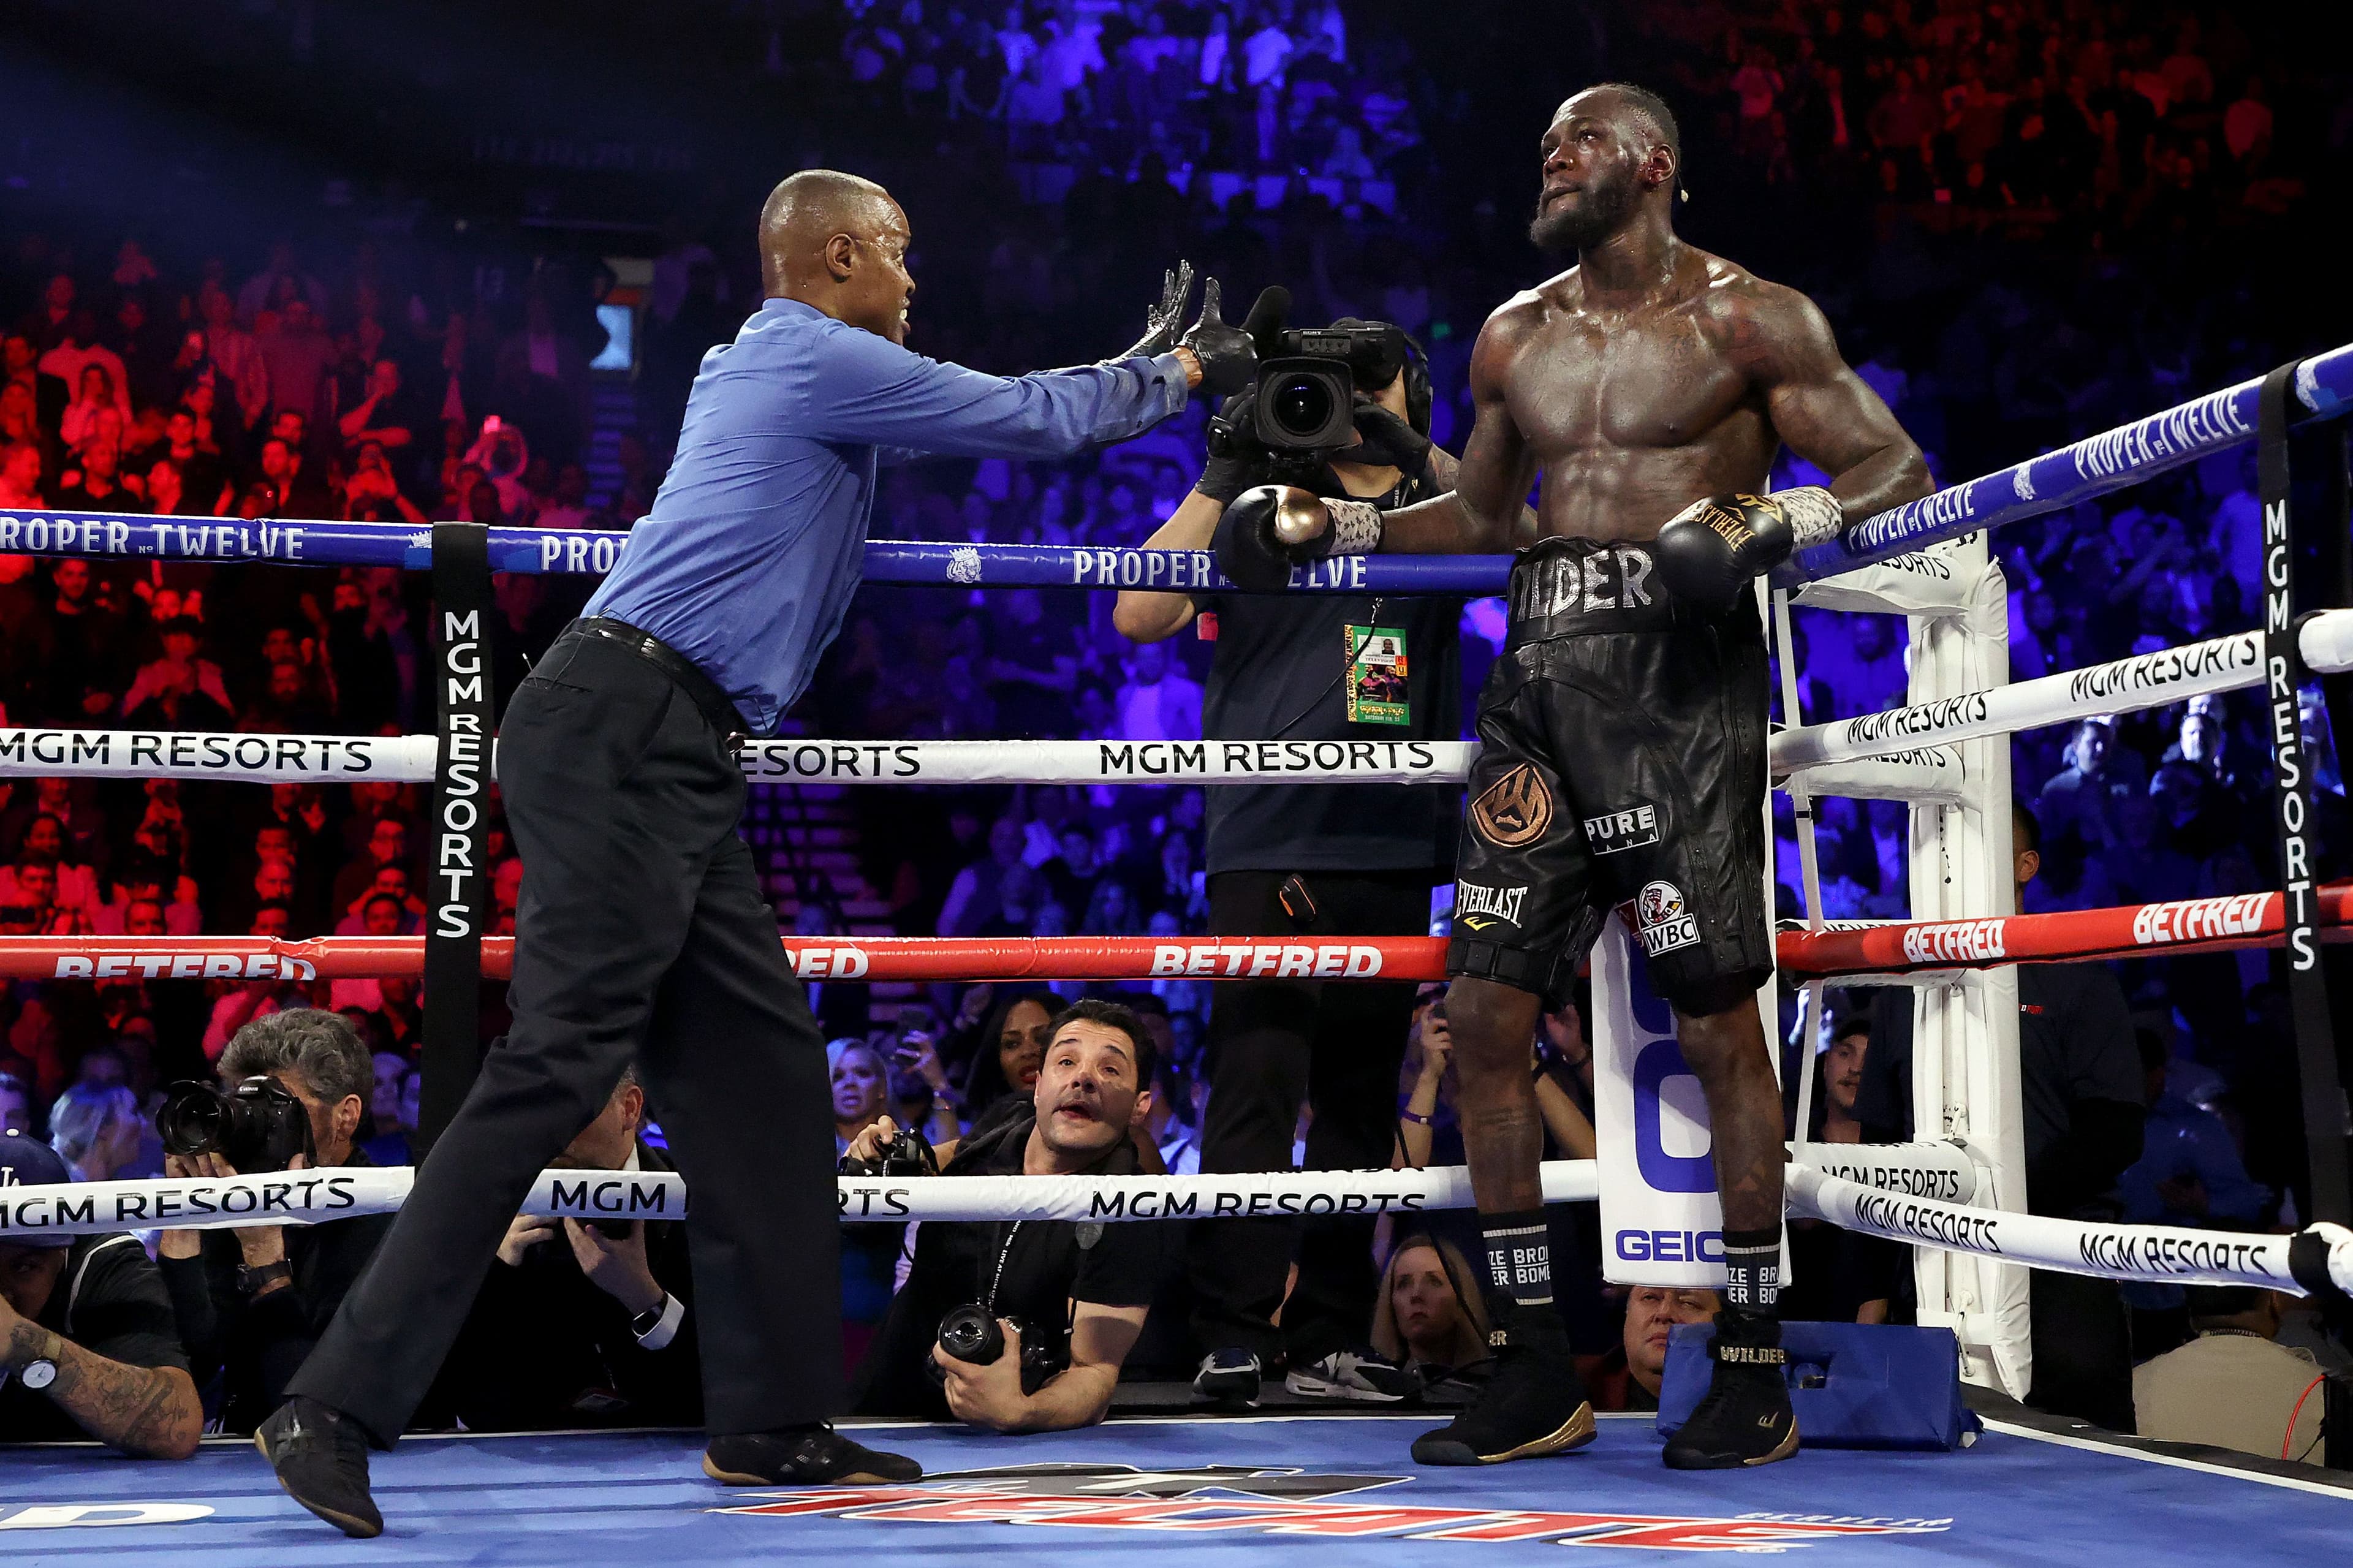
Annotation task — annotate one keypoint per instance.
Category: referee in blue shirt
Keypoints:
(643, 934)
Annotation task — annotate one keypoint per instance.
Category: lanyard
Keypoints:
(997, 1276)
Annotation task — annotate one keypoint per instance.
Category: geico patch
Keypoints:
(1661, 920)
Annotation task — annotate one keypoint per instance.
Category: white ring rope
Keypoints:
(1896, 754)
(306, 1198)
(256, 758)
(1917, 1192)
(2132, 1252)
(2121, 685)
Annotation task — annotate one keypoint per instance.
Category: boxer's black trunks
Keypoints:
(1622, 761)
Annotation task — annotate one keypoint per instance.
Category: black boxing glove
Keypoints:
(1238, 459)
(1270, 528)
(1712, 549)
(1388, 441)
(1229, 359)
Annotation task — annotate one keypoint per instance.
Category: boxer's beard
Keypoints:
(1588, 222)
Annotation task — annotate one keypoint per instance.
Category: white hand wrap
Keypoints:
(1356, 527)
(1815, 516)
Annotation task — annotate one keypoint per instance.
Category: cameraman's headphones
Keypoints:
(1415, 369)
(1418, 394)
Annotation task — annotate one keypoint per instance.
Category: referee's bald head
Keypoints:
(807, 209)
(837, 242)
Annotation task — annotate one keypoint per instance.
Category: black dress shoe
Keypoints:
(1745, 1417)
(1533, 1406)
(803, 1456)
(321, 1458)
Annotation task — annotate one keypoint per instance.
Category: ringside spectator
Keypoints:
(251, 1301)
(87, 1345)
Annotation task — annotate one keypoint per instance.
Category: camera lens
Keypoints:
(194, 1119)
(970, 1334)
(1301, 404)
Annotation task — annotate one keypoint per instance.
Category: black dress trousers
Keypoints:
(641, 936)
(1274, 1044)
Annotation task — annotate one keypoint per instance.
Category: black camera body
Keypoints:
(970, 1333)
(1307, 388)
(258, 1126)
(908, 1154)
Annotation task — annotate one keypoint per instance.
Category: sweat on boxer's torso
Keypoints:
(1634, 412)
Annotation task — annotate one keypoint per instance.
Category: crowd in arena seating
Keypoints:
(2000, 203)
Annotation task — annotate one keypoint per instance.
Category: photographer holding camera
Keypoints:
(1339, 411)
(252, 1301)
(582, 1323)
(1022, 1327)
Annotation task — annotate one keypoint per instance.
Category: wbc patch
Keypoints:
(1616, 831)
(1661, 920)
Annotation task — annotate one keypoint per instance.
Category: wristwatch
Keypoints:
(252, 1278)
(657, 1325)
(37, 1373)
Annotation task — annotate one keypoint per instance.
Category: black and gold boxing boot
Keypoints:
(1534, 1405)
(1745, 1417)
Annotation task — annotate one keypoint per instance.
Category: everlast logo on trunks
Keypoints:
(1618, 578)
(1660, 917)
(1617, 830)
(1513, 810)
(1479, 907)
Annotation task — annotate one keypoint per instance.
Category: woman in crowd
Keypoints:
(1422, 1317)
(861, 1085)
(95, 395)
(1012, 1051)
(870, 1251)
(96, 1130)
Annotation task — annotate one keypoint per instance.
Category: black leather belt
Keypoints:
(688, 677)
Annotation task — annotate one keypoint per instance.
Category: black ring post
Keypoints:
(2284, 675)
(460, 878)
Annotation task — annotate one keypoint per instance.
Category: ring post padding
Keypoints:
(461, 824)
(2284, 676)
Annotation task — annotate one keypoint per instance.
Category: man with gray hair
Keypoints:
(252, 1301)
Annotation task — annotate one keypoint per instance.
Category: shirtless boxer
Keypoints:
(1624, 730)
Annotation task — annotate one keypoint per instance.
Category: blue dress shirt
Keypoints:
(747, 562)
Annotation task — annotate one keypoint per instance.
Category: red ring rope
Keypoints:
(2193, 926)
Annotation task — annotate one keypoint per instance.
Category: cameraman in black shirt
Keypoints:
(1294, 859)
(1069, 1296)
(252, 1301)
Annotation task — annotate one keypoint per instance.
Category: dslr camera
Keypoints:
(910, 1153)
(970, 1333)
(258, 1126)
(1310, 380)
